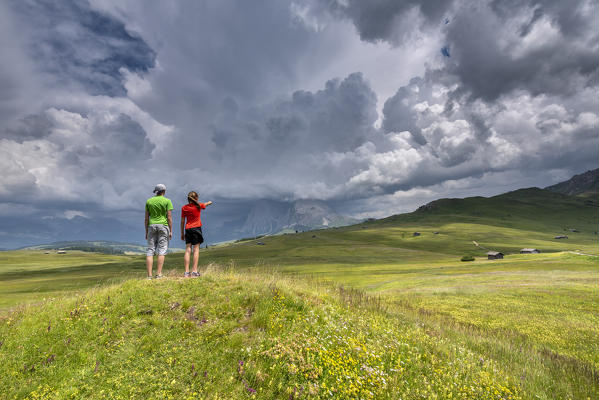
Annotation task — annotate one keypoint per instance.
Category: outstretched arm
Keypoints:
(207, 204)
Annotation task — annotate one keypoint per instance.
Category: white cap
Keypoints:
(159, 188)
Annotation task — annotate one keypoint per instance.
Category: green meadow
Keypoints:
(367, 311)
(28, 276)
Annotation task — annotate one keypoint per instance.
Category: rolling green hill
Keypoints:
(530, 209)
(507, 223)
(396, 315)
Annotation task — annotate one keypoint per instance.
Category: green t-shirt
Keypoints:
(157, 207)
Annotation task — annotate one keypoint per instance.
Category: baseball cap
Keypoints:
(159, 188)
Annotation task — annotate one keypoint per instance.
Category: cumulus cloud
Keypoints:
(79, 155)
(374, 106)
(17, 80)
(77, 46)
(389, 20)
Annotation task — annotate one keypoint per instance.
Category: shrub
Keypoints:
(467, 258)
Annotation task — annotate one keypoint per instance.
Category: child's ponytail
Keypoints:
(192, 197)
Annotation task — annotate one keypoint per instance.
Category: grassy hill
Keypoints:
(233, 336)
(367, 311)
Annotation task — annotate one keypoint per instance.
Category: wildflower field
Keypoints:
(230, 335)
(362, 312)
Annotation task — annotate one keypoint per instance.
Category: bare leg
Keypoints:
(196, 257)
(187, 256)
(160, 264)
(149, 262)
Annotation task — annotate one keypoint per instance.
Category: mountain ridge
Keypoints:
(583, 184)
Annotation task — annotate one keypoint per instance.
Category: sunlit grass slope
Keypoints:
(232, 336)
(506, 223)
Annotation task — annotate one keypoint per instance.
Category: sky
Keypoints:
(376, 107)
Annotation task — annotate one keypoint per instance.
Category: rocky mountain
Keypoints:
(267, 217)
(582, 184)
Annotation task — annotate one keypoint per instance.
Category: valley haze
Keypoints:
(264, 217)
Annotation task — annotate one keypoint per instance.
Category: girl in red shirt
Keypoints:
(191, 231)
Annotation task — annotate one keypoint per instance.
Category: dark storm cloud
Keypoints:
(244, 53)
(30, 127)
(398, 112)
(380, 19)
(76, 156)
(124, 139)
(77, 45)
(287, 132)
(253, 100)
(571, 16)
(493, 51)
(503, 55)
(498, 57)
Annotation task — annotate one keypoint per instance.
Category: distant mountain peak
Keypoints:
(268, 217)
(585, 183)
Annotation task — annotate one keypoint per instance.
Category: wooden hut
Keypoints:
(561, 237)
(529, 251)
(494, 255)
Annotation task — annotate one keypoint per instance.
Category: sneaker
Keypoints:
(159, 276)
(149, 277)
(186, 275)
(195, 274)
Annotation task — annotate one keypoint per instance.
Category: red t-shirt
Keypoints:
(192, 213)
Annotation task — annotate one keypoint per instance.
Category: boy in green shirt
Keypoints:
(158, 223)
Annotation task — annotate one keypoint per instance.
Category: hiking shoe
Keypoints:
(159, 276)
(195, 274)
(186, 275)
(149, 277)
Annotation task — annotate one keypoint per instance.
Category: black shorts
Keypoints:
(194, 236)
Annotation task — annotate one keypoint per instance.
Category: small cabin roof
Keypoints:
(493, 253)
(529, 250)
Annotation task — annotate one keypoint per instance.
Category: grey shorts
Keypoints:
(157, 239)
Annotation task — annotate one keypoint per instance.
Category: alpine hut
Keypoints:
(529, 251)
(494, 255)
